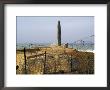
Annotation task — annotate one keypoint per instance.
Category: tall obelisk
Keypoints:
(59, 34)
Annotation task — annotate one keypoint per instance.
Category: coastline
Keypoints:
(86, 51)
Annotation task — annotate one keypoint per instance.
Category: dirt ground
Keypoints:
(55, 60)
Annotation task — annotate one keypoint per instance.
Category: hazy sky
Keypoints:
(44, 29)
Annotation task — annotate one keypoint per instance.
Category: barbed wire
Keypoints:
(83, 39)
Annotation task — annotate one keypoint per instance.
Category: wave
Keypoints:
(86, 50)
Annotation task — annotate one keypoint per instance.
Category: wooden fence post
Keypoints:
(55, 67)
(45, 63)
(25, 60)
(71, 64)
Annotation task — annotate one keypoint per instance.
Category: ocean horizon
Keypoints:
(88, 47)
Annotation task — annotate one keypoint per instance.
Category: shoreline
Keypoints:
(86, 51)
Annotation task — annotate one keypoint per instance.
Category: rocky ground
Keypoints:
(55, 60)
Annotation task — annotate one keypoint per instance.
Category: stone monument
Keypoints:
(59, 34)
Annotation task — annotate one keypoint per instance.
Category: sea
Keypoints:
(88, 47)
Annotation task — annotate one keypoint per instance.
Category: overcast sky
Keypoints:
(44, 29)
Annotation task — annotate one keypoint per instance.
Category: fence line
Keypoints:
(49, 63)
